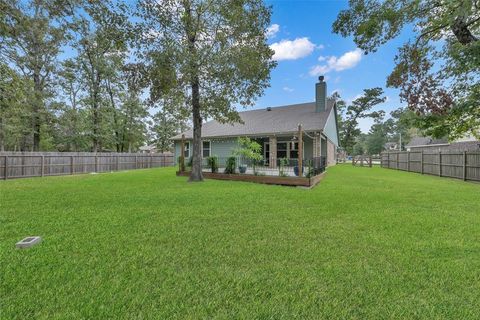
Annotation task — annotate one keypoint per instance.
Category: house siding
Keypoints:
(221, 148)
(330, 129)
(331, 153)
(308, 145)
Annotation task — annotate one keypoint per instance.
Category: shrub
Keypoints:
(230, 165)
(248, 149)
(213, 163)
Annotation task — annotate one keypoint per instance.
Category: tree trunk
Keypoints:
(96, 114)
(115, 117)
(37, 106)
(196, 174)
(2, 135)
(95, 127)
(461, 31)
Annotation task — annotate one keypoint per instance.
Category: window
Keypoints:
(281, 150)
(294, 150)
(206, 149)
(186, 153)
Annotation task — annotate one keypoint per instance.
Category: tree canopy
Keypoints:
(437, 72)
(350, 114)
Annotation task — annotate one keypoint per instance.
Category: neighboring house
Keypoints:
(430, 144)
(148, 149)
(276, 130)
(390, 146)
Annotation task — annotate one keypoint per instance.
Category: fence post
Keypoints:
(23, 165)
(72, 169)
(464, 165)
(300, 151)
(42, 172)
(5, 169)
(150, 161)
(397, 159)
(440, 163)
(421, 163)
(408, 161)
(116, 161)
(96, 163)
(136, 162)
(388, 160)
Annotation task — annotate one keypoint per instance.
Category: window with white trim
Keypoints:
(186, 152)
(206, 149)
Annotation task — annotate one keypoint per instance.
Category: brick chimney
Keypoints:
(320, 95)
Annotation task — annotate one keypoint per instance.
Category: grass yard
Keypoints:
(365, 243)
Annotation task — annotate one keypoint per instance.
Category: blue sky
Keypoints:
(305, 47)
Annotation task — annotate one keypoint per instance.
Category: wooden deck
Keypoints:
(285, 181)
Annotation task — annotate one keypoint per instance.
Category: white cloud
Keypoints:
(319, 70)
(292, 50)
(347, 61)
(320, 47)
(288, 89)
(272, 30)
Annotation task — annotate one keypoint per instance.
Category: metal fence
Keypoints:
(461, 165)
(282, 167)
(39, 164)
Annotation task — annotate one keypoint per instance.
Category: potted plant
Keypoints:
(296, 171)
(248, 150)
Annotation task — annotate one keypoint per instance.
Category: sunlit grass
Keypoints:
(365, 243)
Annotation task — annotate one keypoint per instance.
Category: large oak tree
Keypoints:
(207, 56)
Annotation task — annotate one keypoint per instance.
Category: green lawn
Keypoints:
(365, 243)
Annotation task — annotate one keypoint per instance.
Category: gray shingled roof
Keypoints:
(425, 141)
(284, 119)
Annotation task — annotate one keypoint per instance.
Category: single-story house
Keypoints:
(389, 146)
(148, 149)
(276, 130)
(431, 144)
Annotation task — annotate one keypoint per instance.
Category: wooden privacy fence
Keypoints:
(39, 164)
(455, 164)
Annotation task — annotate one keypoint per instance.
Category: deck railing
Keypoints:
(282, 167)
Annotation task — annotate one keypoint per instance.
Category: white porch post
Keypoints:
(273, 151)
(317, 146)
